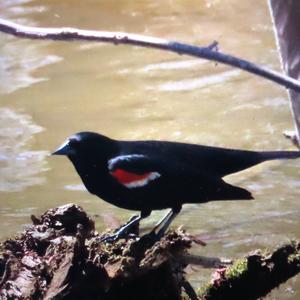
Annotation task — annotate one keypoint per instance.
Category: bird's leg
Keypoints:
(162, 220)
(165, 223)
(121, 231)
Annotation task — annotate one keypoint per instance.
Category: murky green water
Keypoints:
(49, 90)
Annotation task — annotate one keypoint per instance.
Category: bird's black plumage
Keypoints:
(153, 175)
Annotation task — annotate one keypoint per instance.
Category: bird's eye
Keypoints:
(73, 143)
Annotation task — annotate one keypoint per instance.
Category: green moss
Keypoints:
(239, 267)
(205, 290)
(254, 274)
(294, 258)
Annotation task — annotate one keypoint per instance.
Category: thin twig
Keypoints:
(210, 53)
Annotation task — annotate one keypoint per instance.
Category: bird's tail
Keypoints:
(227, 191)
(270, 155)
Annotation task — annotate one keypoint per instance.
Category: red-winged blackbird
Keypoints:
(154, 175)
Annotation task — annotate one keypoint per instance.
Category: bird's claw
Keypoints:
(111, 238)
(152, 236)
(120, 232)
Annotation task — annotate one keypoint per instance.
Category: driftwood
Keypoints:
(254, 276)
(210, 52)
(61, 257)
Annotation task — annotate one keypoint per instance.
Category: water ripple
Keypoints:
(173, 65)
(16, 66)
(196, 83)
(19, 167)
(20, 58)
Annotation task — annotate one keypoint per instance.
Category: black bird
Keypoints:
(154, 175)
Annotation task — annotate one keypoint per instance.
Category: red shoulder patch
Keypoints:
(132, 180)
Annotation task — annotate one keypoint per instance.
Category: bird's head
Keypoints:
(85, 145)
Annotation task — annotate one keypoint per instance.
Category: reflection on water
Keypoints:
(18, 60)
(19, 167)
(172, 65)
(75, 187)
(49, 90)
(16, 66)
(192, 84)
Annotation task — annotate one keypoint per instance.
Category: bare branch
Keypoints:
(210, 53)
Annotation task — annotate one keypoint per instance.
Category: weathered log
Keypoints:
(61, 256)
(255, 275)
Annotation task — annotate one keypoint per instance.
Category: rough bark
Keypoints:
(255, 275)
(61, 256)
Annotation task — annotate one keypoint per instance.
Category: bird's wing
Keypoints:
(139, 170)
(133, 171)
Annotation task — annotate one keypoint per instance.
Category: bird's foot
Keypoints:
(111, 238)
(162, 226)
(153, 236)
(123, 231)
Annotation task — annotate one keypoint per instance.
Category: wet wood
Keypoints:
(254, 276)
(60, 256)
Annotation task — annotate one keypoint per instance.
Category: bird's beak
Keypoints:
(64, 149)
